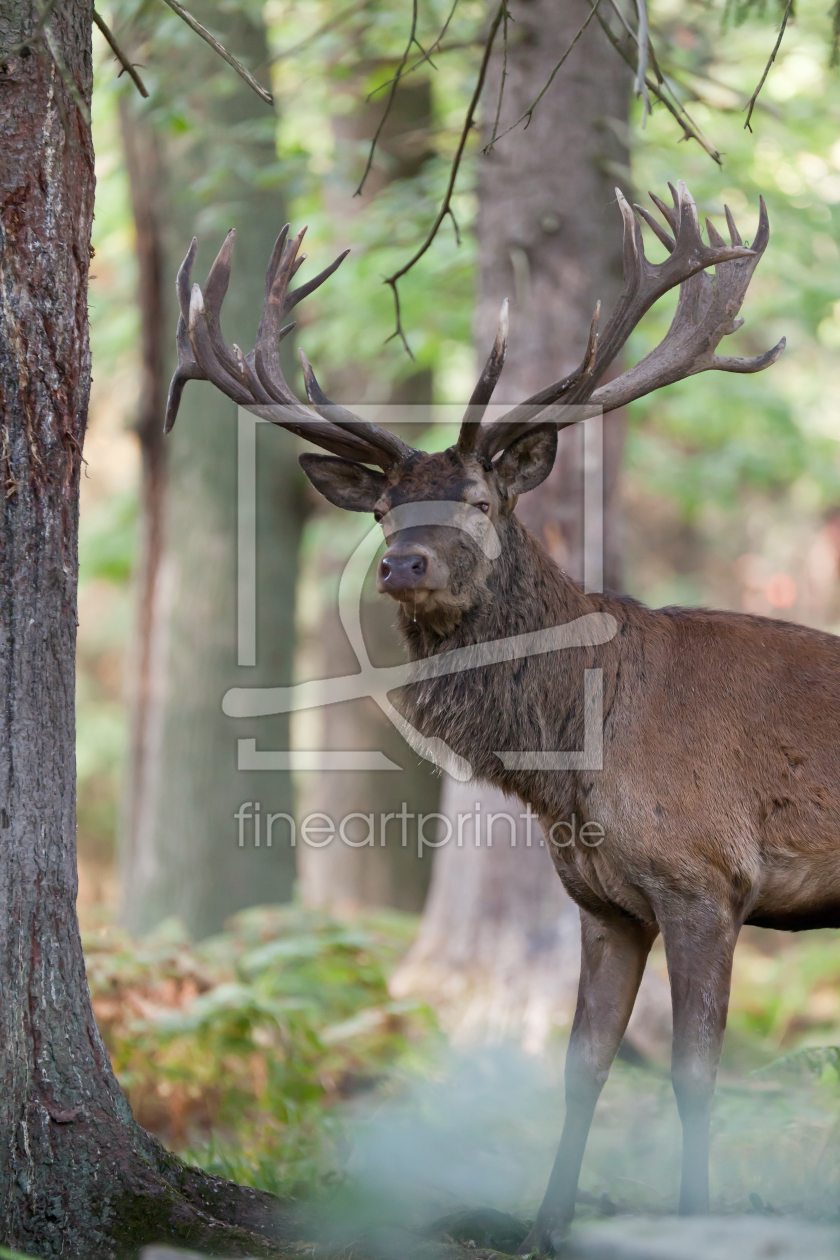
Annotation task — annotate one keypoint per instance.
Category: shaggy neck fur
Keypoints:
(530, 704)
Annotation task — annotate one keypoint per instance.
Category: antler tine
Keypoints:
(267, 349)
(276, 256)
(713, 234)
(385, 441)
(634, 246)
(659, 232)
(288, 265)
(187, 369)
(483, 392)
(249, 376)
(705, 314)
(734, 234)
(183, 281)
(208, 360)
(297, 295)
(671, 214)
(762, 235)
(494, 437)
(215, 289)
(218, 277)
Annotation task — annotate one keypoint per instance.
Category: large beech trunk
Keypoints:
(77, 1175)
(498, 949)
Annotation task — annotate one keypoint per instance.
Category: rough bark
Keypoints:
(498, 949)
(179, 842)
(77, 1175)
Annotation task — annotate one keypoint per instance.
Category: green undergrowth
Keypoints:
(274, 1055)
(244, 1054)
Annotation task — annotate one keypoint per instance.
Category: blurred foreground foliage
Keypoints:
(236, 1051)
(272, 1054)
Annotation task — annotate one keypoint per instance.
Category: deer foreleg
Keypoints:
(613, 956)
(699, 949)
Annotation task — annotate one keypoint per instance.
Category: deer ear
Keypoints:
(528, 461)
(343, 482)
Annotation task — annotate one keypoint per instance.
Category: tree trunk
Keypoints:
(389, 871)
(498, 949)
(180, 841)
(77, 1176)
(146, 184)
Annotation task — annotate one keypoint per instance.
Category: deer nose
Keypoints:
(402, 572)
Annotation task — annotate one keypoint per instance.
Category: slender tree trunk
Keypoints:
(147, 185)
(498, 949)
(78, 1177)
(389, 871)
(180, 840)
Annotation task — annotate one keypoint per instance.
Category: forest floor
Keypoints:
(274, 1055)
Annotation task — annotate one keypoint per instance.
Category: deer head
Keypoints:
(445, 514)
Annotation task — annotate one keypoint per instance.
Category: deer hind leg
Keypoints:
(699, 947)
(613, 957)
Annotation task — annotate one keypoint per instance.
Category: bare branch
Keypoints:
(427, 56)
(530, 110)
(196, 26)
(398, 331)
(412, 39)
(469, 123)
(751, 102)
(677, 109)
(495, 133)
(640, 86)
(120, 55)
(690, 131)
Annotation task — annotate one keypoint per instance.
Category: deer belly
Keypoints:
(799, 892)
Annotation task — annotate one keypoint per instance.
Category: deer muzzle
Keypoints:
(405, 571)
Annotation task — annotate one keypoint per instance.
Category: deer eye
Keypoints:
(483, 507)
(377, 516)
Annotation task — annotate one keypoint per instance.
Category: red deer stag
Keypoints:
(719, 787)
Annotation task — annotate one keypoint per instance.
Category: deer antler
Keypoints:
(483, 392)
(704, 315)
(706, 312)
(256, 380)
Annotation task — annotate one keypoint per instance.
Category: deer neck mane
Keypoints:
(532, 703)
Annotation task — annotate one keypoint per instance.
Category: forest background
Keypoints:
(256, 1043)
